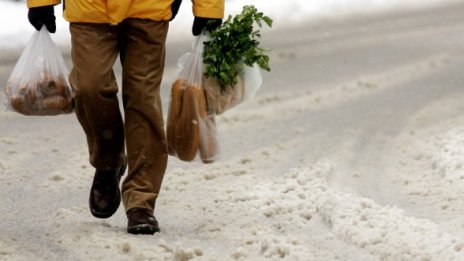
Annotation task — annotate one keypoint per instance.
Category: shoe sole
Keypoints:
(108, 214)
(144, 229)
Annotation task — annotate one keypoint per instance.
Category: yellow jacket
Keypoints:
(114, 11)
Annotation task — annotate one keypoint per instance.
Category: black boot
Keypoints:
(141, 221)
(105, 195)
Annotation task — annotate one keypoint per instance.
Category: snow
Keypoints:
(18, 31)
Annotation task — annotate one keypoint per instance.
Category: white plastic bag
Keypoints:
(194, 102)
(190, 129)
(38, 84)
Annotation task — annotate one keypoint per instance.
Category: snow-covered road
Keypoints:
(352, 150)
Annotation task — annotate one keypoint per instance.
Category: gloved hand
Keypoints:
(200, 23)
(42, 15)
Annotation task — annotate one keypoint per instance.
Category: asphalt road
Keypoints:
(342, 89)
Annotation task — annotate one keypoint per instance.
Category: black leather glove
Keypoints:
(200, 23)
(42, 15)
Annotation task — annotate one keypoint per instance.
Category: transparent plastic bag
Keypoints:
(190, 128)
(38, 84)
(194, 102)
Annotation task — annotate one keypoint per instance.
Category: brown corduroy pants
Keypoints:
(141, 46)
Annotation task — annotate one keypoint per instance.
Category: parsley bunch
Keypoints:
(233, 44)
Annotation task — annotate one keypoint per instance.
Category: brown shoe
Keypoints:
(141, 221)
(105, 195)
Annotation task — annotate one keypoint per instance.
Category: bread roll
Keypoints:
(62, 87)
(23, 89)
(54, 103)
(45, 86)
(17, 103)
(31, 97)
(69, 105)
(20, 105)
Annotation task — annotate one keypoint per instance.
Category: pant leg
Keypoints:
(143, 54)
(94, 51)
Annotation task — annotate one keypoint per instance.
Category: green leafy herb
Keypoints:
(233, 44)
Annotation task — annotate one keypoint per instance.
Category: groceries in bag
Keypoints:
(209, 84)
(38, 84)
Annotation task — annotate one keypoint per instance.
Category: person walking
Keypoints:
(136, 31)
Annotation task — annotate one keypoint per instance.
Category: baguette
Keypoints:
(175, 107)
(187, 128)
(208, 140)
